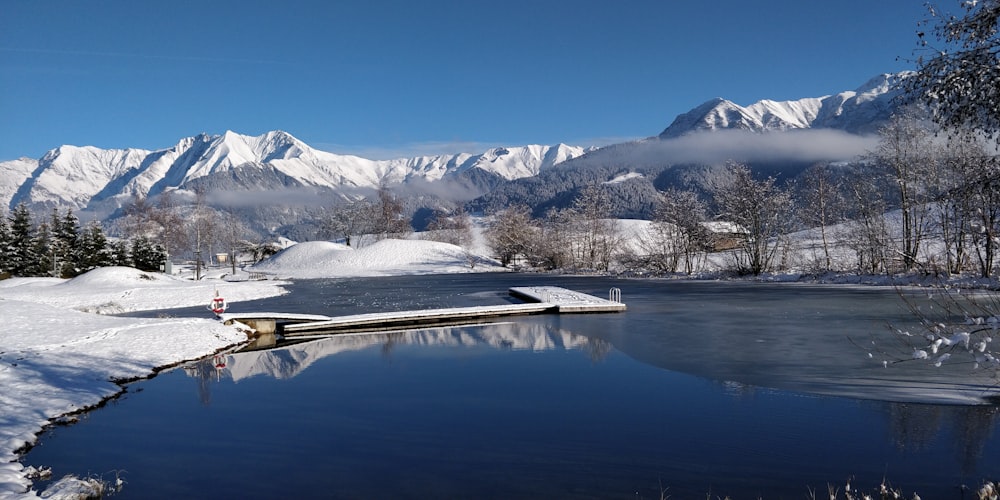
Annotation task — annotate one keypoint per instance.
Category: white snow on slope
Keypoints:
(858, 111)
(316, 259)
(13, 174)
(74, 176)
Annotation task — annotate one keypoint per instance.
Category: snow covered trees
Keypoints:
(382, 216)
(958, 76)
(822, 204)
(19, 252)
(678, 232)
(59, 247)
(146, 255)
(453, 227)
(967, 199)
(760, 209)
(388, 219)
(511, 233)
(348, 219)
(596, 235)
(578, 237)
(906, 155)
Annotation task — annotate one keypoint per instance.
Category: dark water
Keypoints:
(747, 390)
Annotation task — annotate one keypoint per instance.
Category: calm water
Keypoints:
(725, 388)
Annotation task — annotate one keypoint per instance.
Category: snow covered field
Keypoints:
(60, 353)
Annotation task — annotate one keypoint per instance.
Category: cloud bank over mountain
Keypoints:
(810, 145)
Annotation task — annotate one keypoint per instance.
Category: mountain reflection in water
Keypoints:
(287, 362)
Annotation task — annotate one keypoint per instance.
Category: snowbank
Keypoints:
(322, 259)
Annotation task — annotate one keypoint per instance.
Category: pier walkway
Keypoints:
(541, 300)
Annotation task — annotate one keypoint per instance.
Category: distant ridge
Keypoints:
(79, 177)
(859, 111)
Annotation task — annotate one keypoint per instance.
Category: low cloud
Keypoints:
(296, 197)
(798, 145)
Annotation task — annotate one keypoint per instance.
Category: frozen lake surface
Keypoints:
(725, 388)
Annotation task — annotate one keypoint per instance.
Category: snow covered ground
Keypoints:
(315, 259)
(61, 353)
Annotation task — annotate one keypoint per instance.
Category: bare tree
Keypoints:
(598, 236)
(453, 227)
(202, 226)
(510, 233)
(957, 76)
(678, 232)
(389, 220)
(349, 219)
(868, 227)
(905, 151)
(162, 223)
(139, 219)
(553, 248)
(952, 187)
(760, 209)
(168, 216)
(822, 203)
(977, 197)
(232, 233)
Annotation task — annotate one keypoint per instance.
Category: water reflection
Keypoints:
(910, 427)
(289, 361)
(915, 428)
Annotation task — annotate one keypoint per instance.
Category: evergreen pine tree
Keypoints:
(43, 263)
(64, 235)
(19, 245)
(93, 250)
(4, 244)
(118, 253)
(69, 234)
(147, 256)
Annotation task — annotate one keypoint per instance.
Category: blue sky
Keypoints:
(387, 78)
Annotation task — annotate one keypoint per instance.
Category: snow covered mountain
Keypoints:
(859, 111)
(82, 177)
(275, 168)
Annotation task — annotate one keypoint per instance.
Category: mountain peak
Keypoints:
(272, 161)
(859, 111)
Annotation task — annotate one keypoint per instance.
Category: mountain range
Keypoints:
(859, 111)
(99, 181)
(89, 178)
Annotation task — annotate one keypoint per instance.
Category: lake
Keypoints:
(723, 388)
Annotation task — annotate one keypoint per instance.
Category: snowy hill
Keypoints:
(859, 111)
(318, 259)
(82, 177)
